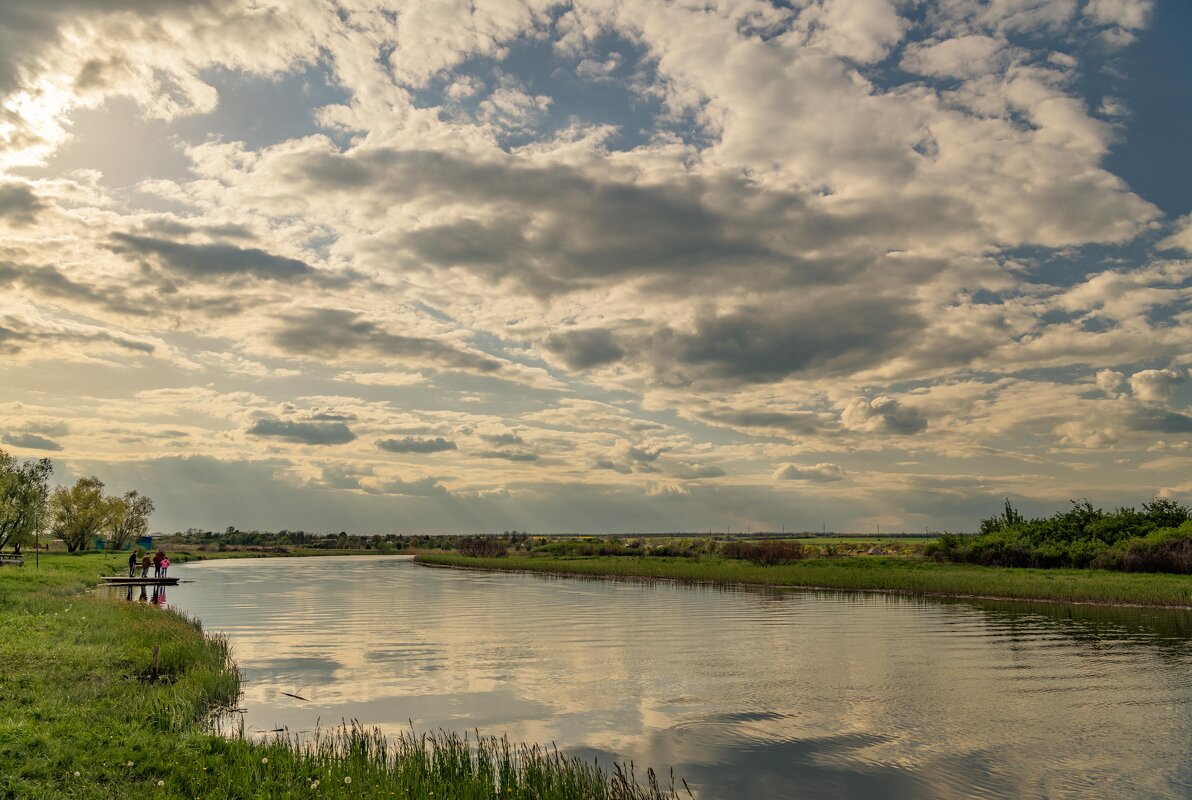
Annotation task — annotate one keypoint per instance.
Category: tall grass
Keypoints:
(907, 575)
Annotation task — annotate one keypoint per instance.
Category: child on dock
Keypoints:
(165, 565)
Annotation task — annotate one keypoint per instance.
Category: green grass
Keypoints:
(82, 717)
(906, 575)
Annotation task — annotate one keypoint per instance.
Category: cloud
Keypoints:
(882, 415)
(1181, 236)
(423, 487)
(206, 261)
(31, 441)
(332, 333)
(19, 205)
(694, 471)
(410, 444)
(837, 334)
(314, 433)
(1129, 14)
(19, 335)
(962, 57)
(1111, 382)
(819, 473)
(508, 455)
(585, 349)
(1156, 385)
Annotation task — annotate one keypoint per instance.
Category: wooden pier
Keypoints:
(121, 580)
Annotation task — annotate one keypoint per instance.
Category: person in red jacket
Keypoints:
(157, 559)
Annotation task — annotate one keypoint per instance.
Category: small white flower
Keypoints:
(314, 784)
(76, 774)
(265, 760)
(348, 779)
(129, 764)
(161, 783)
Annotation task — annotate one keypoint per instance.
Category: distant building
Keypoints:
(145, 542)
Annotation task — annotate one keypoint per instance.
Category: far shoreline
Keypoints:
(1124, 590)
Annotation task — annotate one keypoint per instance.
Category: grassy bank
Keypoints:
(84, 716)
(906, 575)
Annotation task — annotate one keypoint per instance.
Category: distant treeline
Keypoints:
(1157, 538)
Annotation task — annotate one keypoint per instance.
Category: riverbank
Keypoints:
(87, 716)
(892, 575)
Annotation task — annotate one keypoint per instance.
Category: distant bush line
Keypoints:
(1157, 538)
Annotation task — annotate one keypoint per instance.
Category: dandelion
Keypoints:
(348, 779)
(265, 760)
(129, 764)
(314, 784)
(161, 783)
(76, 773)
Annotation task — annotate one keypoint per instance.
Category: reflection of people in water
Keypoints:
(144, 598)
(159, 596)
(129, 598)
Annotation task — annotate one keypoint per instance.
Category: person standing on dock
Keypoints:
(157, 559)
(132, 562)
(146, 562)
(165, 565)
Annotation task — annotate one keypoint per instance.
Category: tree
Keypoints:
(79, 513)
(24, 489)
(130, 519)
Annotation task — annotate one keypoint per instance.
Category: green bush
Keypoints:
(1156, 539)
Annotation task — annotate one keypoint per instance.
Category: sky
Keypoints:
(599, 266)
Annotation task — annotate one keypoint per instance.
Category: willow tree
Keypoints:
(130, 519)
(81, 512)
(24, 489)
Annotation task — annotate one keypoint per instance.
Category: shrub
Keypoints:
(480, 547)
(765, 553)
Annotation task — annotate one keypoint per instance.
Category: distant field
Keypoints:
(861, 539)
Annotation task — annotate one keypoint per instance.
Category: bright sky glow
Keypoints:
(599, 266)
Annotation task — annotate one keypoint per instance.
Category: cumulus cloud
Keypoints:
(19, 205)
(962, 57)
(1111, 382)
(1181, 236)
(882, 415)
(315, 433)
(1156, 385)
(585, 349)
(31, 441)
(206, 261)
(413, 444)
(817, 473)
(337, 333)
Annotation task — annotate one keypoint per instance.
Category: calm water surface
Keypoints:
(746, 694)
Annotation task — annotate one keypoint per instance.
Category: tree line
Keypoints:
(77, 514)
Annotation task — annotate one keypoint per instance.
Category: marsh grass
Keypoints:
(904, 575)
(84, 718)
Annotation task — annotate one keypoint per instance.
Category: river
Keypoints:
(745, 693)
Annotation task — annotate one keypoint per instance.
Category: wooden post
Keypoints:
(156, 652)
